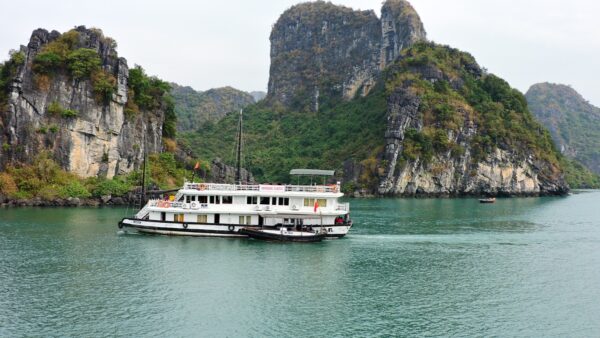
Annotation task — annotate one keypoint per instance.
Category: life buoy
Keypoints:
(231, 228)
(194, 205)
(185, 225)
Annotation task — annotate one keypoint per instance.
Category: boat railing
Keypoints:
(343, 207)
(195, 205)
(333, 188)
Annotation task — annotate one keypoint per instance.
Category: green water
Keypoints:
(520, 267)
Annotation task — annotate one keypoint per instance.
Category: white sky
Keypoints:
(208, 44)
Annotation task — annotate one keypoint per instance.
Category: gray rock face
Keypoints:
(319, 50)
(223, 173)
(100, 140)
(501, 172)
(400, 28)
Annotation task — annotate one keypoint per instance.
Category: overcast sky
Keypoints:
(208, 44)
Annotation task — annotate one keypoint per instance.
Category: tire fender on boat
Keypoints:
(231, 228)
(185, 225)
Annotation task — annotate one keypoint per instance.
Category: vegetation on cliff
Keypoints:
(66, 55)
(8, 71)
(149, 93)
(44, 179)
(277, 140)
(578, 176)
(573, 122)
(460, 92)
(194, 108)
(457, 95)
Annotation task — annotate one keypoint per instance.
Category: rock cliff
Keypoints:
(322, 52)
(194, 108)
(573, 122)
(397, 115)
(453, 130)
(223, 173)
(69, 94)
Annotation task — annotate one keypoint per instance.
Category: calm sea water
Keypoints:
(410, 267)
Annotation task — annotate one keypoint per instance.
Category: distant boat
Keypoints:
(487, 200)
(283, 234)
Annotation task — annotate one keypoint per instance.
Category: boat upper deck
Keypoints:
(259, 189)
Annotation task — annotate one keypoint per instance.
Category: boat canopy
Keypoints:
(311, 172)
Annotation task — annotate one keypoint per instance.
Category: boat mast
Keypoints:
(238, 160)
(143, 195)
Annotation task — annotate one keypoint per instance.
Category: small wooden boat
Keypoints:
(487, 200)
(282, 234)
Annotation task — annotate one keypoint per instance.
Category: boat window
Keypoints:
(202, 219)
(309, 202)
(264, 200)
(188, 199)
(178, 217)
(251, 200)
(284, 201)
(248, 220)
(217, 219)
(203, 199)
(322, 202)
(163, 216)
(274, 201)
(215, 200)
(245, 220)
(227, 199)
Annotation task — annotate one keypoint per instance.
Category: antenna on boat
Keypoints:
(143, 193)
(238, 159)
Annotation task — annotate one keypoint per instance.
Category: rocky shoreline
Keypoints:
(108, 200)
(364, 193)
(132, 199)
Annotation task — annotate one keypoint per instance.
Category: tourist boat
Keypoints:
(213, 209)
(283, 234)
(488, 200)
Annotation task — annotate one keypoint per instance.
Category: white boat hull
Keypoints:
(209, 230)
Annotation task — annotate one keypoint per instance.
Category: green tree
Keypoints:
(82, 62)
